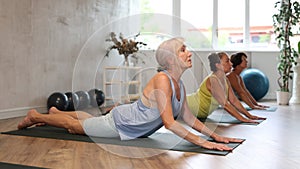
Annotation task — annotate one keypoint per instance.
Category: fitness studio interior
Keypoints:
(68, 54)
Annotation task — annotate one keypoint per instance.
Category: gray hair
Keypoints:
(215, 58)
(166, 53)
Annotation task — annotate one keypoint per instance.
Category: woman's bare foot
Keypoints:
(27, 121)
(53, 110)
(40, 124)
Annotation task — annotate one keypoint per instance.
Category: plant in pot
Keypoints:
(284, 21)
(125, 46)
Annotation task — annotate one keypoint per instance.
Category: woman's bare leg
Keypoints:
(57, 120)
(79, 115)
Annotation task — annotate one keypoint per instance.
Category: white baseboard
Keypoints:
(18, 112)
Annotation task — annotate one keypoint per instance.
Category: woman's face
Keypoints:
(226, 64)
(244, 62)
(185, 56)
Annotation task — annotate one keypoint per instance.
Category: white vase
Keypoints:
(283, 97)
(127, 61)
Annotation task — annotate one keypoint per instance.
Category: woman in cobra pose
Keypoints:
(239, 63)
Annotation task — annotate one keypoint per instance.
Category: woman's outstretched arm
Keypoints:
(196, 124)
(163, 96)
(238, 105)
(218, 91)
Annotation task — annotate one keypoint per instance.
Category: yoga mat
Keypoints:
(270, 109)
(165, 141)
(16, 166)
(226, 118)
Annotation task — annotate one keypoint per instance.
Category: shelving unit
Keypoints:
(121, 84)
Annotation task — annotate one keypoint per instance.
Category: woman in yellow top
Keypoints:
(215, 90)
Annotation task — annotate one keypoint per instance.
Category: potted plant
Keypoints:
(284, 21)
(125, 46)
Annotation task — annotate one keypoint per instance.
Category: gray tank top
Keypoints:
(137, 120)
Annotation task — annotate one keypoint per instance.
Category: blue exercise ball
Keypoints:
(256, 82)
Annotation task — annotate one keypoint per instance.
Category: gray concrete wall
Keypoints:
(40, 43)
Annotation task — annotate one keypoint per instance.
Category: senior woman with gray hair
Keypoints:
(163, 100)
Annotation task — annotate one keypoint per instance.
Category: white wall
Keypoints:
(267, 63)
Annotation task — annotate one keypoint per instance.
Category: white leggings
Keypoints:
(102, 126)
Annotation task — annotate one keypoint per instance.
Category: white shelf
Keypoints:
(122, 67)
(121, 84)
(131, 96)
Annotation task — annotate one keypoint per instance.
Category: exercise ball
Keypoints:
(73, 101)
(84, 99)
(256, 82)
(58, 100)
(97, 97)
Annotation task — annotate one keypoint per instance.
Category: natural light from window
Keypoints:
(238, 24)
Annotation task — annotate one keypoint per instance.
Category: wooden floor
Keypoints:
(273, 144)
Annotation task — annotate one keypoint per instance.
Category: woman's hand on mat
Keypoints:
(256, 118)
(215, 146)
(263, 106)
(246, 120)
(222, 139)
(258, 108)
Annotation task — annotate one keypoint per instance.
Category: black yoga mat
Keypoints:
(165, 141)
(226, 118)
(16, 166)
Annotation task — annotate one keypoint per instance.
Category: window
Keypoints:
(218, 24)
(198, 16)
(231, 21)
(261, 24)
(156, 21)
